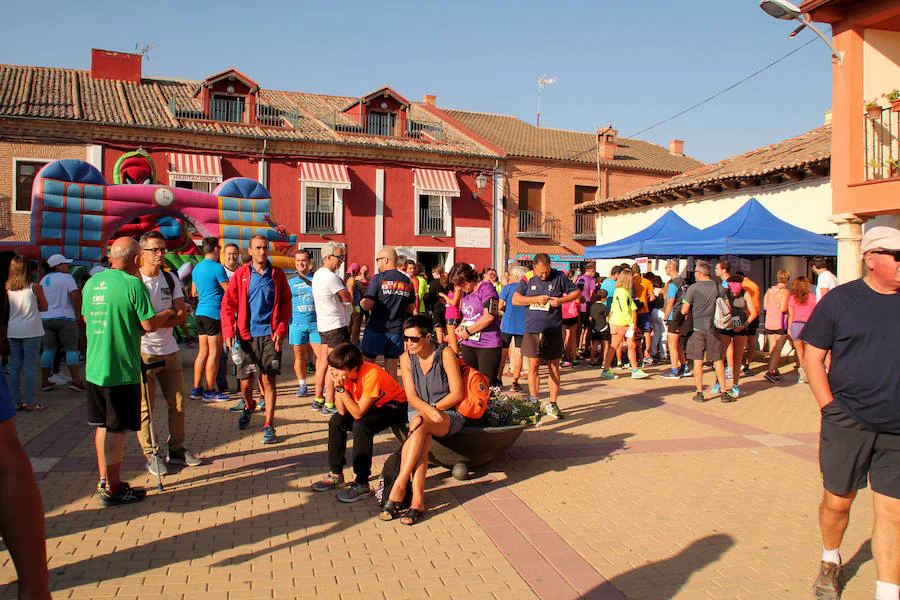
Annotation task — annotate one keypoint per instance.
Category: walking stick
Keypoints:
(145, 369)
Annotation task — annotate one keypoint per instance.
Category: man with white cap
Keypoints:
(859, 323)
(60, 321)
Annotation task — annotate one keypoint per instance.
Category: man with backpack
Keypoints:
(700, 303)
(675, 290)
(167, 299)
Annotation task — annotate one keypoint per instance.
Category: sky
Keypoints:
(629, 64)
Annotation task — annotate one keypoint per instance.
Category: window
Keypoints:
(197, 186)
(315, 256)
(26, 171)
(322, 210)
(585, 193)
(380, 123)
(228, 108)
(431, 215)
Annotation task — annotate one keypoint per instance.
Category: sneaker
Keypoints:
(625, 366)
(355, 491)
(728, 373)
(331, 481)
(772, 376)
(183, 457)
(745, 369)
(302, 391)
(647, 362)
(515, 387)
(566, 363)
(310, 368)
(244, 419)
(261, 405)
(699, 397)
(239, 407)
(801, 375)
(101, 485)
(269, 436)
(125, 495)
(59, 379)
(77, 386)
(639, 374)
(46, 386)
(318, 405)
(329, 410)
(156, 465)
(197, 393)
(687, 372)
(735, 392)
(827, 585)
(608, 375)
(726, 397)
(212, 396)
(715, 389)
(671, 374)
(551, 409)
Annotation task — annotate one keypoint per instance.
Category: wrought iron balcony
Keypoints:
(585, 227)
(535, 224)
(319, 222)
(882, 138)
(431, 223)
(229, 111)
(384, 124)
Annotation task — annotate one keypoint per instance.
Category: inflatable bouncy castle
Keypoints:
(77, 213)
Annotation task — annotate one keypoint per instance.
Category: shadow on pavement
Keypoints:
(852, 566)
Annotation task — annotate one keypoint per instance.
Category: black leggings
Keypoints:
(377, 419)
(484, 360)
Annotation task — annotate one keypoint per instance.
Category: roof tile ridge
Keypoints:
(165, 105)
(488, 114)
(77, 110)
(120, 91)
(25, 95)
(439, 113)
(334, 134)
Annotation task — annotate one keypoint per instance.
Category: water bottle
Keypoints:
(237, 356)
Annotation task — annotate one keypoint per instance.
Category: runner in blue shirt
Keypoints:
(512, 327)
(208, 286)
(303, 330)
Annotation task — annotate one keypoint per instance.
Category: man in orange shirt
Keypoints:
(642, 292)
(368, 401)
(752, 327)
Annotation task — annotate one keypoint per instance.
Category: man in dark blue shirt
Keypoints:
(544, 293)
(390, 298)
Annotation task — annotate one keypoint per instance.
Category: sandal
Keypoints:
(32, 408)
(390, 511)
(411, 516)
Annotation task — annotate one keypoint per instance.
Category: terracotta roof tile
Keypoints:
(809, 149)
(519, 138)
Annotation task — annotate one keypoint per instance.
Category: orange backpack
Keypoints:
(476, 392)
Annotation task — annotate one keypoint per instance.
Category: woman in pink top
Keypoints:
(775, 305)
(452, 315)
(800, 305)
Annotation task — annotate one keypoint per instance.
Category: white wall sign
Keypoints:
(473, 237)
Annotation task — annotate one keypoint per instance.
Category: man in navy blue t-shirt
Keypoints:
(544, 293)
(390, 298)
(859, 323)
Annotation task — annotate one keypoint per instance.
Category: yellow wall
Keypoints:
(881, 60)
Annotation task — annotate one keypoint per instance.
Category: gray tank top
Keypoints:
(433, 385)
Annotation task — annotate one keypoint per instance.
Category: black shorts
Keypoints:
(453, 322)
(673, 326)
(776, 332)
(506, 340)
(704, 342)
(260, 358)
(117, 409)
(732, 333)
(602, 336)
(208, 326)
(570, 321)
(585, 319)
(547, 345)
(753, 326)
(644, 322)
(335, 337)
(851, 454)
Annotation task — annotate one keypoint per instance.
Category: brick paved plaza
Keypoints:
(639, 493)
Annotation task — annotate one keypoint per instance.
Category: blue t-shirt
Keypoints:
(513, 316)
(303, 311)
(548, 318)
(392, 292)
(262, 302)
(609, 284)
(208, 276)
(7, 408)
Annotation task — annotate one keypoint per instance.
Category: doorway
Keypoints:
(430, 259)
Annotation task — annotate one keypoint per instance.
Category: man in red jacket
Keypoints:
(256, 312)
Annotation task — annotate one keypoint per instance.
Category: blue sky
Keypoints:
(626, 64)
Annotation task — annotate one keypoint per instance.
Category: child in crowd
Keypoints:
(600, 335)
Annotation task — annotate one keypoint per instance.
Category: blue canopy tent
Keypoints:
(668, 227)
(750, 231)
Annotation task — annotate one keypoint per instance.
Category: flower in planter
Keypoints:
(872, 104)
(892, 96)
(507, 408)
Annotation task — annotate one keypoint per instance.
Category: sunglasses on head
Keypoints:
(414, 339)
(895, 254)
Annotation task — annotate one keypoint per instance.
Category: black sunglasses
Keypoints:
(414, 339)
(895, 254)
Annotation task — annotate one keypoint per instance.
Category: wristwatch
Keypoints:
(339, 388)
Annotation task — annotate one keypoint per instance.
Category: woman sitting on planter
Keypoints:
(433, 384)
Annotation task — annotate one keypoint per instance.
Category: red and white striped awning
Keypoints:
(434, 182)
(195, 167)
(325, 175)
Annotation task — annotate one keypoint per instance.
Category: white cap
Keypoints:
(56, 260)
(885, 238)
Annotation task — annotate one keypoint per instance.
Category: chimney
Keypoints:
(429, 99)
(606, 143)
(122, 66)
(827, 118)
(676, 147)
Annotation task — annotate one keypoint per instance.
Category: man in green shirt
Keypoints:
(117, 312)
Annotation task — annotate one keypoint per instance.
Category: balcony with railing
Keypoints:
(320, 222)
(585, 227)
(882, 138)
(386, 125)
(233, 111)
(431, 223)
(535, 224)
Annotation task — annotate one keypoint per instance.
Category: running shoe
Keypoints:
(269, 436)
(566, 363)
(302, 391)
(329, 410)
(77, 386)
(244, 419)
(551, 409)
(212, 397)
(354, 492)
(801, 375)
(310, 368)
(238, 407)
(197, 393)
(715, 389)
(125, 495)
(828, 582)
(734, 392)
(318, 404)
(608, 375)
(745, 369)
(648, 362)
(46, 386)
(156, 465)
(687, 372)
(726, 397)
(699, 397)
(639, 374)
(671, 374)
(773, 376)
(728, 373)
(329, 482)
(515, 387)
(183, 457)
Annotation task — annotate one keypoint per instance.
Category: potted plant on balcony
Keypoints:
(876, 167)
(893, 97)
(873, 109)
(894, 166)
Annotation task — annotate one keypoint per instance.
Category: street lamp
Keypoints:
(781, 9)
(480, 184)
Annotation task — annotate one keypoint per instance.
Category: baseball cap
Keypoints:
(886, 238)
(56, 260)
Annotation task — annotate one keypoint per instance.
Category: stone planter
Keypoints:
(472, 447)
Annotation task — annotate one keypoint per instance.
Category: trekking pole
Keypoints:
(145, 369)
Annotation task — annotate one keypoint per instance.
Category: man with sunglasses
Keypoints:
(332, 303)
(859, 323)
(256, 312)
(391, 298)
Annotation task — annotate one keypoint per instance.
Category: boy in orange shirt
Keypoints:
(368, 401)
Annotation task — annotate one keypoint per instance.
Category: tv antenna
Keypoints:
(144, 49)
(542, 81)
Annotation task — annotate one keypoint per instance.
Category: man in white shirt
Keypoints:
(825, 279)
(332, 300)
(167, 298)
(60, 321)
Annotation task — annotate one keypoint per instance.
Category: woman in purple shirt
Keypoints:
(479, 330)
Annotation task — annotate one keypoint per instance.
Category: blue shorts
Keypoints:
(644, 322)
(389, 345)
(304, 334)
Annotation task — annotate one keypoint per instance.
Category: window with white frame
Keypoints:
(433, 215)
(197, 186)
(26, 171)
(322, 210)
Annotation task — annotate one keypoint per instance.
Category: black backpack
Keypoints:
(389, 474)
(678, 318)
